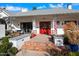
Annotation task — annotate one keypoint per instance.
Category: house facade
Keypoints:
(47, 21)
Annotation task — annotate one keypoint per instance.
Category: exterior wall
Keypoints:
(36, 19)
(2, 30)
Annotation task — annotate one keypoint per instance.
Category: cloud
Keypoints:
(40, 7)
(24, 9)
(53, 6)
(14, 8)
(60, 5)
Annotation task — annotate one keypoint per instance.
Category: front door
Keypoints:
(45, 28)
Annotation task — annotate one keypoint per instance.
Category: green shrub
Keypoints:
(73, 54)
(65, 37)
(6, 47)
(5, 40)
(10, 45)
(3, 50)
(4, 44)
(66, 40)
(12, 51)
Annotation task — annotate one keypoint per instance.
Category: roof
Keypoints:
(9, 13)
(43, 12)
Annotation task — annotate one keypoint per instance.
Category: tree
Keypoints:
(34, 8)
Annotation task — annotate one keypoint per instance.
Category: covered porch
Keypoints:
(53, 22)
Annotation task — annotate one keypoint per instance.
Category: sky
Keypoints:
(16, 7)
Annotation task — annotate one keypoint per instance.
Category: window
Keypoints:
(71, 21)
(58, 22)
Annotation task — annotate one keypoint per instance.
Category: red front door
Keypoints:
(45, 27)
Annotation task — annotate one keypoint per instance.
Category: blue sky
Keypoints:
(28, 6)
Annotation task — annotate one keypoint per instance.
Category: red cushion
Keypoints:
(33, 35)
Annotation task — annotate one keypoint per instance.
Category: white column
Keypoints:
(37, 26)
(34, 25)
(52, 26)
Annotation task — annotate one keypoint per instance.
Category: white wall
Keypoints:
(19, 42)
(2, 30)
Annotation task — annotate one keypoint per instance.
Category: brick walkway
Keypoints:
(37, 46)
(32, 53)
